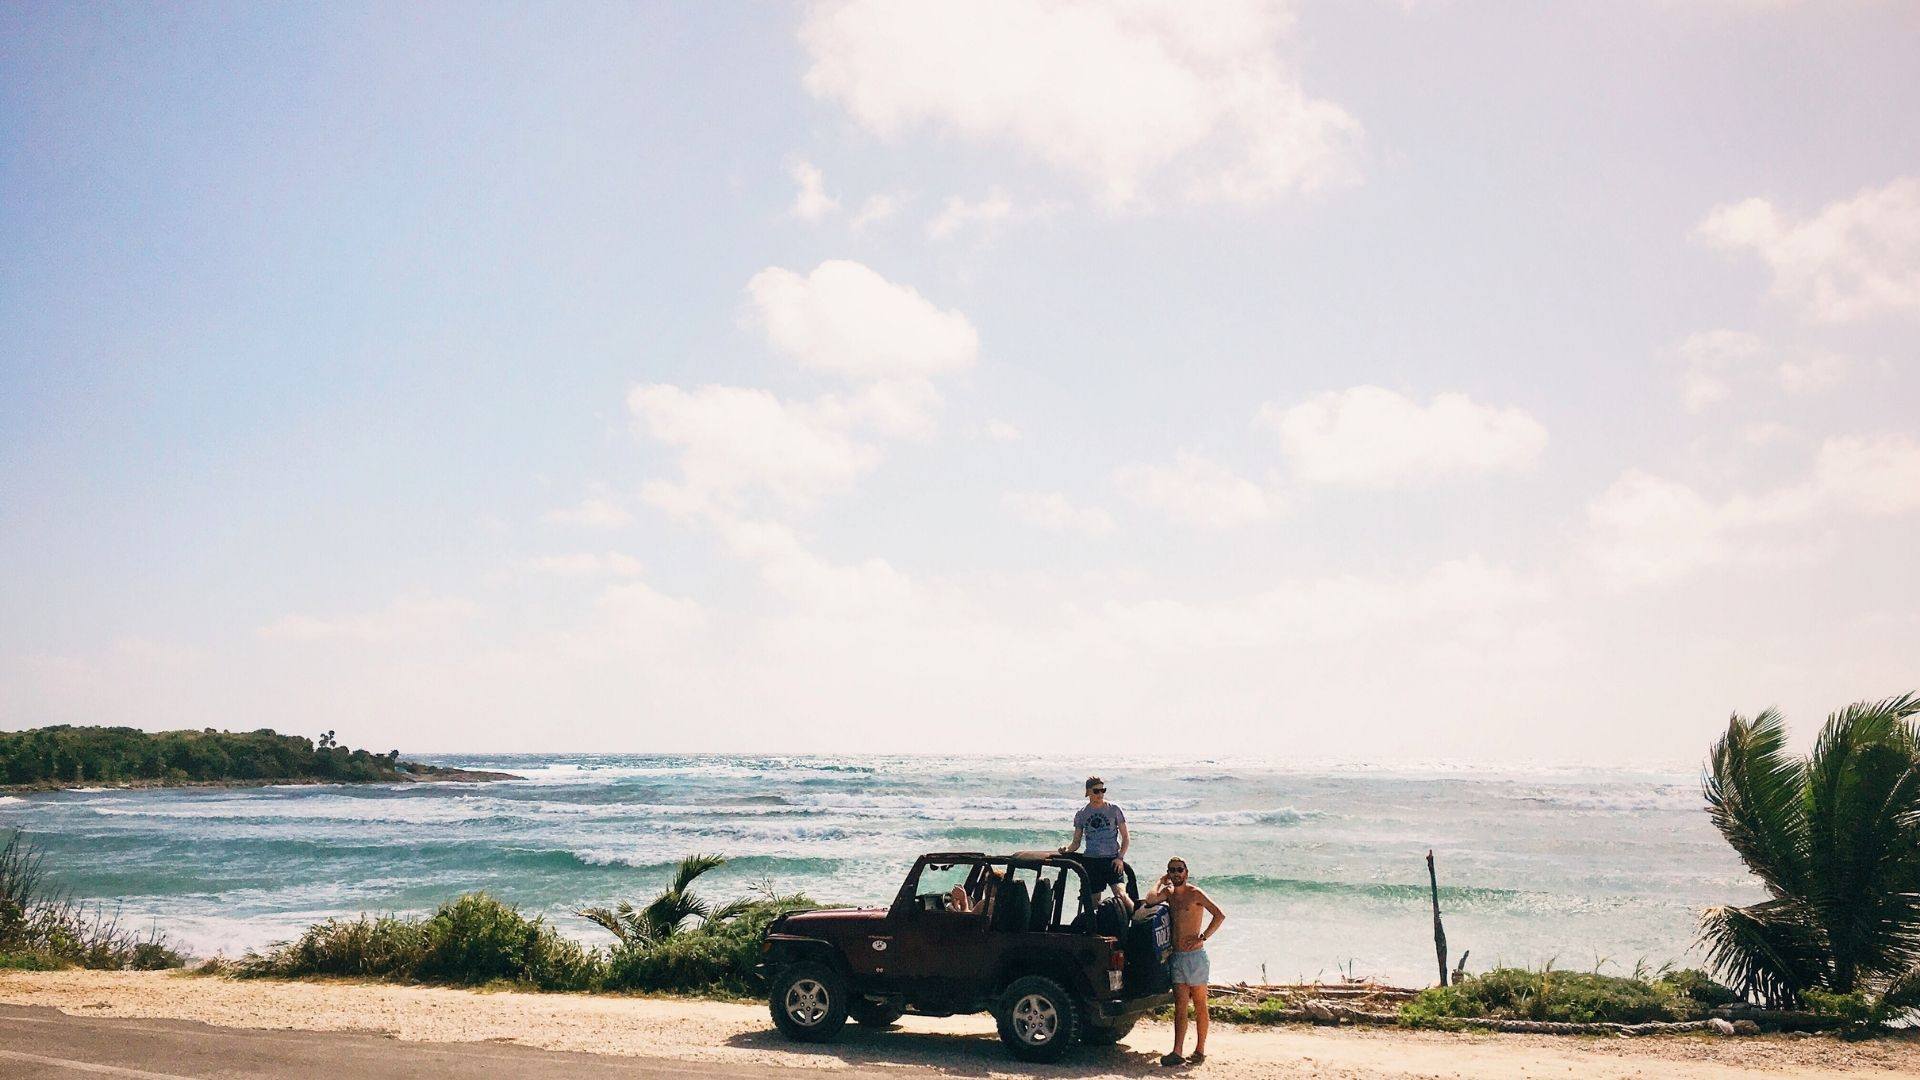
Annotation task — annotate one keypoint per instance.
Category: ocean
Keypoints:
(1320, 869)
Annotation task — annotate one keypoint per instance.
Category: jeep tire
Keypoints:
(809, 1001)
(875, 1014)
(1108, 1034)
(1038, 1018)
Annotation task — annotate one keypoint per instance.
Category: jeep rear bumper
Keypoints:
(1125, 1007)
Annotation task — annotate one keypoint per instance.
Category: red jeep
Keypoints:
(1028, 943)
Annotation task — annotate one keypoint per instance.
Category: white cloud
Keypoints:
(593, 512)
(1001, 431)
(732, 440)
(586, 564)
(812, 202)
(1709, 360)
(1196, 490)
(1877, 475)
(875, 209)
(845, 319)
(1125, 96)
(1371, 437)
(1714, 363)
(1650, 528)
(414, 616)
(1855, 258)
(959, 213)
(1054, 512)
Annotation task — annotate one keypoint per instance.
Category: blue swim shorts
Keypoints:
(1191, 968)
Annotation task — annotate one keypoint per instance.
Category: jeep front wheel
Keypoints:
(808, 1001)
(1037, 1018)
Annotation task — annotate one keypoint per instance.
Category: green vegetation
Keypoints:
(470, 941)
(1835, 839)
(1566, 997)
(54, 756)
(42, 929)
(477, 939)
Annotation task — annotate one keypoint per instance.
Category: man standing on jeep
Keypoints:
(1191, 970)
(1104, 828)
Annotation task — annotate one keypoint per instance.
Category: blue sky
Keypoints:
(1346, 380)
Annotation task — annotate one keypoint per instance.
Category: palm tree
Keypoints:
(667, 913)
(1835, 839)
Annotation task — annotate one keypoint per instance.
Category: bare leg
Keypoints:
(1179, 1019)
(1199, 995)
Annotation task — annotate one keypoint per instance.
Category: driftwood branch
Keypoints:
(1439, 932)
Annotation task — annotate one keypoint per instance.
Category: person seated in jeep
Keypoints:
(1103, 826)
(976, 903)
(1190, 967)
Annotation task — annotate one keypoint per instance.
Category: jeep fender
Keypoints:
(1060, 969)
(784, 949)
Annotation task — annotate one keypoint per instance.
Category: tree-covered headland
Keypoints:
(63, 755)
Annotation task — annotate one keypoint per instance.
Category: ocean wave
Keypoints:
(1277, 815)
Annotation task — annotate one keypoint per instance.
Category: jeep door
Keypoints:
(941, 956)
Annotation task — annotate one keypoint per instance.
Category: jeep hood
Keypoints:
(802, 920)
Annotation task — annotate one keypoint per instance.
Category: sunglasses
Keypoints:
(1176, 869)
(1096, 791)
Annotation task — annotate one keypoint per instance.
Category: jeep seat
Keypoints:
(1042, 906)
(1012, 910)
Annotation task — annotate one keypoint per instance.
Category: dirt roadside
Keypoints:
(736, 1034)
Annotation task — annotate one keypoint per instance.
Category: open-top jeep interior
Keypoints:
(1021, 936)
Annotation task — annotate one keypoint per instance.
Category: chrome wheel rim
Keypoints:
(1035, 1020)
(807, 1002)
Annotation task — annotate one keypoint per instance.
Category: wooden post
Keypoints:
(1439, 932)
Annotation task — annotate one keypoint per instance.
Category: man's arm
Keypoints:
(1078, 832)
(1124, 838)
(1214, 915)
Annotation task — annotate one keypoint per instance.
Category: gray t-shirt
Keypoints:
(1101, 826)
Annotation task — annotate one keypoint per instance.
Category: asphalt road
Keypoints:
(38, 1043)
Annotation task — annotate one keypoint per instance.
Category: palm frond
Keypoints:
(1771, 950)
(691, 868)
(733, 909)
(1863, 795)
(1902, 996)
(1755, 796)
(607, 919)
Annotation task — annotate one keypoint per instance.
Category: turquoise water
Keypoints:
(1320, 869)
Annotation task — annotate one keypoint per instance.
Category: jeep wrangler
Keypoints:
(1019, 936)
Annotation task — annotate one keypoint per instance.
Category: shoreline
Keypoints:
(722, 1033)
(441, 775)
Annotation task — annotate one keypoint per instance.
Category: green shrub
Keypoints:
(1698, 987)
(471, 940)
(384, 947)
(44, 928)
(1559, 996)
(718, 957)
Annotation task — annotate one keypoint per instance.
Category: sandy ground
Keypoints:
(707, 1031)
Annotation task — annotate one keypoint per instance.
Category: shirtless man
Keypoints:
(1190, 967)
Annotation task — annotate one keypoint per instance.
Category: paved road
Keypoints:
(38, 1043)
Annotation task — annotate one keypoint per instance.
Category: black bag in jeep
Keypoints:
(1110, 919)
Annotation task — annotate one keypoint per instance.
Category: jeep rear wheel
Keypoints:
(1037, 1018)
(808, 1001)
(875, 1014)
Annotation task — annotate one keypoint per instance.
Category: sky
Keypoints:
(1370, 381)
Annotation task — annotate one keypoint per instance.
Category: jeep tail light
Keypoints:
(1117, 960)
